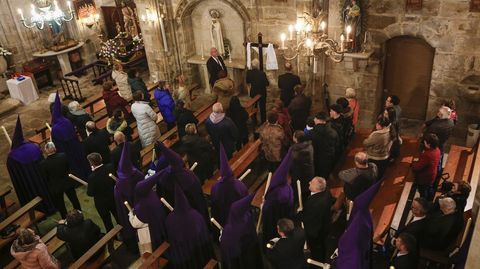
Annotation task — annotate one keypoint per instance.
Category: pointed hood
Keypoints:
(362, 201)
(128, 175)
(18, 138)
(280, 177)
(181, 203)
(239, 209)
(143, 187)
(125, 166)
(225, 169)
(57, 109)
(62, 128)
(175, 161)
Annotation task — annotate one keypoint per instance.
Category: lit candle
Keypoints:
(69, 5)
(21, 13)
(143, 18)
(349, 30)
(323, 25)
(342, 39)
(365, 39)
(283, 36)
(315, 65)
(308, 28)
(203, 56)
(290, 29)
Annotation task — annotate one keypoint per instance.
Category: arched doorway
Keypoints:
(407, 74)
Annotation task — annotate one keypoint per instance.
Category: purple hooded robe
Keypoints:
(25, 172)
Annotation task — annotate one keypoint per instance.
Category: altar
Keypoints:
(62, 57)
(235, 69)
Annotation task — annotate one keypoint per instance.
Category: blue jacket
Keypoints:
(166, 104)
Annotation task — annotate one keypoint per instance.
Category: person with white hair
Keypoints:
(441, 125)
(215, 64)
(354, 104)
(316, 216)
(443, 227)
(258, 83)
(79, 117)
(222, 130)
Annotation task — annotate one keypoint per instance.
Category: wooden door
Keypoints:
(408, 71)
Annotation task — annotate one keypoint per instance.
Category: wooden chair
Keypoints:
(71, 89)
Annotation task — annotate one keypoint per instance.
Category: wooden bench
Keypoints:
(50, 239)
(106, 240)
(5, 203)
(238, 163)
(155, 260)
(24, 217)
(250, 105)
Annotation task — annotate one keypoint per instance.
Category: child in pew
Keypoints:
(31, 252)
(118, 123)
(80, 234)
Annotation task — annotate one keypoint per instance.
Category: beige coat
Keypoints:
(224, 88)
(378, 144)
(273, 140)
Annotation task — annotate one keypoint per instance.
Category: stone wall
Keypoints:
(447, 25)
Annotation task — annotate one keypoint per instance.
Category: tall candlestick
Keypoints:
(283, 37)
(315, 65)
(342, 40)
(365, 39)
(164, 36)
(203, 55)
(290, 30)
(69, 5)
(348, 30)
(21, 13)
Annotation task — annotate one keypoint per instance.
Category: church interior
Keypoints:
(239, 134)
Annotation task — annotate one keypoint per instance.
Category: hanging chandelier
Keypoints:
(46, 15)
(308, 37)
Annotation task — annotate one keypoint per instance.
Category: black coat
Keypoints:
(224, 132)
(117, 153)
(316, 214)
(286, 83)
(441, 231)
(55, 170)
(98, 141)
(184, 117)
(325, 141)
(259, 82)
(80, 237)
(79, 121)
(199, 150)
(239, 116)
(409, 261)
(213, 68)
(302, 168)
(287, 253)
(299, 110)
(100, 187)
(415, 228)
(360, 184)
(443, 128)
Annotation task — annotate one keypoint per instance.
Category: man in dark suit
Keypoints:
(416, 226)
(257, 79)
(325, 141)
(116, 153)
(100, 187)
(286, 84)
(97, 141)
(287, 251)
(358, 179)
(214, 65)
(55, 169)
(406, 257)
(316, 216)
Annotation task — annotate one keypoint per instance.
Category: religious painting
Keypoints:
(414, 4)
(474, 5)
(84, 8)
(352, 18)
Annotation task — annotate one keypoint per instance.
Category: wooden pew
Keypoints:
(154, 260)
(212, 264)
(250, 105)
(52, 242)
(5, 203)
(25, 217)
(239, 163)
(106, 240)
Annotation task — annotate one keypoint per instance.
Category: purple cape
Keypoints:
(149, 209)
(190, 244)
(355, 245)
(66, 140)
(239, 243)
(226, 191)
(278, 200)
(25, 172)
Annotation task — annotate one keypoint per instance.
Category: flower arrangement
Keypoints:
(116, 49)
(4, 52)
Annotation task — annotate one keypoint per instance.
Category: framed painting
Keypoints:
(474, 5)
(414, 4)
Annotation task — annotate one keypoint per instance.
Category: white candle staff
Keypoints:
(215, 222)
(153, 155)
(263, 198)
(48, 126)
(6, 135)
(193, 166)
(113, 177)
(319, 264)
(77, 179)
(350, 206)
(245, 174)
(299, 191)
(304, 245)
(166, 204)
(128, 206)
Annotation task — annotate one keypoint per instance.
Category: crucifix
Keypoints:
(260, 47)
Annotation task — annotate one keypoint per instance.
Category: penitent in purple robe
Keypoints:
(66, 140)
(278, 200)
(150, 210)
(239, 244)
(355, 245)
(177, 173)
(187, 233)
(128, 176)
(226, 191)
(25, 172)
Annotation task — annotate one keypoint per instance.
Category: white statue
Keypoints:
(216, 32)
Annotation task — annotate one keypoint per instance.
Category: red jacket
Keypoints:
(113, 101)
(425, 168)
